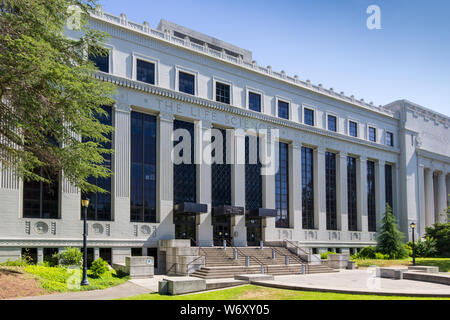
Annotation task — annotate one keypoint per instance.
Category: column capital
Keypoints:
(166, 116)
(362, 158)
(381, 162)
(204, 124)
(343, 154)
(296, 144)
(122, 107)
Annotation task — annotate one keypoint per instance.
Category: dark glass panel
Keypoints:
(253, 178)
(254, 101)
(371, 207)
(307, 188)
(145, 71)
(186, 82)
(283, 109)
(372, 134)
(101, 60)
(353, 128)
(388, 181)
(332, 123)
(330, 178)
(282, 187)
(221, 177)
(309, 116)
(222, 93)
(351, 194)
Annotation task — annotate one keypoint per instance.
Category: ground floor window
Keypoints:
(136, 252)
(153, 252)
(106, 254)
(30, 254)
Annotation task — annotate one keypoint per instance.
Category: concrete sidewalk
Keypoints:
(357, 282)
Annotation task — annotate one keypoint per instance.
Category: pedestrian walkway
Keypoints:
(357, 282)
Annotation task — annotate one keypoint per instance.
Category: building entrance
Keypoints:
(254, 230)
(185, 226)
(221, 229)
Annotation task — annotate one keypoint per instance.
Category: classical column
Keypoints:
(295, 185)
(268, 197)
(121, 161)
(429, 198)
(341, 191)
(421, 200)
(96, 253)
(380, 191)
(164, 183)
(202, 138)
(237, 147)
(320, 210)
(441, 196)
(361, 193)
(448, 189)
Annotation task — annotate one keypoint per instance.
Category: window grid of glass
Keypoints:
(388, 181)
(253, 178)
(100, 203)
(143, 168)
(307, 188)
(372, 134)
(41, 199)
(282, 187)
(254, 101)
(283, 109)
(185, 175)
(100, 60)
(371, 206)
(332, 123)
(390, 139)
(330, 179)
(308, 115)
(351, 194)
(186, 82)
(353, 128)
(145, 71)
(221, 177)
(222, 92)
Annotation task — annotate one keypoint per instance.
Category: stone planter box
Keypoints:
(338, 260)
(137, 267)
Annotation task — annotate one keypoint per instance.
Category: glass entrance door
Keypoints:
(221, 229)
(254, 230)
(185, 226)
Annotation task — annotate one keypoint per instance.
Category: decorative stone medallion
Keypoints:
(97, 228)
(41, 227)
(145, 230)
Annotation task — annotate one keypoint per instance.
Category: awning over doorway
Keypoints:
(262, 212)
(190, 207)
(228, 211)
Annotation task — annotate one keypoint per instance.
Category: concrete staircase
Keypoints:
(221, 263)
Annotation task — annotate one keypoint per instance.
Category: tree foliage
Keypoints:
(441, 233)
(49, 97)
(390, 239)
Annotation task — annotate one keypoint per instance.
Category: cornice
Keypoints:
(171, 94)
(145, 30)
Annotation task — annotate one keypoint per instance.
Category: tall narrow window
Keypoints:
(185, 175)
(186, 82)
(388, 181)
(145, 71)
(283, 109)
(221, 176)
(332, 123)
(353, 128)
(100, 203)
(223, 92)
(389, 139)
(330, 179)
(372, 134)
(254, 101)
(307, 188)
(100, 57)
(143, 168)
(282, 187)
(40, 199)
(351, 194)
(371, 207)
(253, 178)
(308, 115)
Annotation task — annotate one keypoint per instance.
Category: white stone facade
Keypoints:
(420, 155)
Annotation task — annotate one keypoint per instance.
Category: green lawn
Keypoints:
(56, 279)
(252, 292)
(442, 263)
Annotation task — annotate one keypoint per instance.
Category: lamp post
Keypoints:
(85, 204)
(413, 226)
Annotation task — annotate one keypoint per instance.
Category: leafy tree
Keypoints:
(49, 97)
(390, 239)
(440, 232)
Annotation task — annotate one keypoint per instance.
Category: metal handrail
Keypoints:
(251, 257)
(282, 254)
(301, 249)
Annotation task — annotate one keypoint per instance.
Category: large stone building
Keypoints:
(340, 159)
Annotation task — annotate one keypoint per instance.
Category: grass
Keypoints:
(442, 263)
(60, 279)
(252, 292)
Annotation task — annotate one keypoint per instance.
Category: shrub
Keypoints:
(324, 255)
(380, 256)
(70, 257)
(441, 233)
(15, 263)
(99, 267)
(366, 253)
(426, 248)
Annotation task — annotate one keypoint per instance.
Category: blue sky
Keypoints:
(327, 41)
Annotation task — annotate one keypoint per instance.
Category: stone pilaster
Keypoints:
(361, 192)
(268, 198)
(320, 210)
(441, 197)
(204, 227)
(341, 191)
(429, 198)
(421, 200)
(164, 183)
(295, 185)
